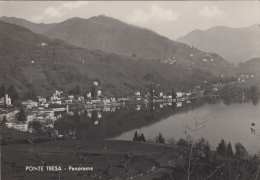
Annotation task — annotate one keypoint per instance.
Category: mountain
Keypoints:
(113, 36)
(38, 28)
(234, 44)
(31, 61)
(250, 67)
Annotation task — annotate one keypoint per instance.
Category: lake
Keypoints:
(229, 119)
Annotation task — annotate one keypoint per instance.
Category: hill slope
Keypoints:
(38, 28)
(113, 36)
(251, 66)
(28, 59)
(234, 44)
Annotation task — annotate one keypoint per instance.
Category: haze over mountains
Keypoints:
(30, 60)
(145, 58)
(113, 36)
(234, 44)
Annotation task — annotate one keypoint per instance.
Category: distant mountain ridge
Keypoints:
(38, 28)
(29, 59)
(234, 44)
(113, 36)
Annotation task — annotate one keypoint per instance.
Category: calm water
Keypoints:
(229, 120)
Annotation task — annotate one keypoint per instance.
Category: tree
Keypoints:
(222, 148)
(240, 150)
(229, 150)
(22, 116)
(173, 94)
(4, 121)
(76, 90)
(2, 91)
(151, 93)
(254, 91)
(182, 142)
(203, 145)
(136, 136)
(12, 93)
(31, 95)
(36, 125)
(142, 138)
(93, 91)
(160, 138)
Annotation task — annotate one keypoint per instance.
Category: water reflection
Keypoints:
(121, 122)
(119, 119)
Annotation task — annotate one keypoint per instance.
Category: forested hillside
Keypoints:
(31, 60)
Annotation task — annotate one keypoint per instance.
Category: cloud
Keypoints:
(52, 12)
(155, 13)
(74, 5)
(211, 12)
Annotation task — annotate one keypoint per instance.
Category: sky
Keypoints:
(172, 19)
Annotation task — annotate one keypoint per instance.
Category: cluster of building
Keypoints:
(242, 78)
(44, 109)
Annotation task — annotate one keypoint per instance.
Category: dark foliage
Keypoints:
(229, 150)
(21, 116)
(160, 138)
(222, 148)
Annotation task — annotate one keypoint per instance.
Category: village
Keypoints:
(44, 110)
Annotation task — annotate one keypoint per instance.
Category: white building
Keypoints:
(137, 93)
(21, 127)
(178, 94)
(6, 100)
(30, 104)
(95, 83)
(81, 98)
(99, 92)
(89, 95)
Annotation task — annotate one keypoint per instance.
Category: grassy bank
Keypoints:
(146, 161)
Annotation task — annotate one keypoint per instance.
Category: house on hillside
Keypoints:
(137, 93)
(41, 99)
(169, 97)
(30, 104)
(178, 94)
(99, 92)
(81, 98)
(6, 100)
(71, 97)
(56, 102)
(68, 101)
(88, 95)
(106, 101)
(95, 83)
(10, 115)
(21, 127)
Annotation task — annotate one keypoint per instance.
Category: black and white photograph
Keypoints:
(119, 90)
